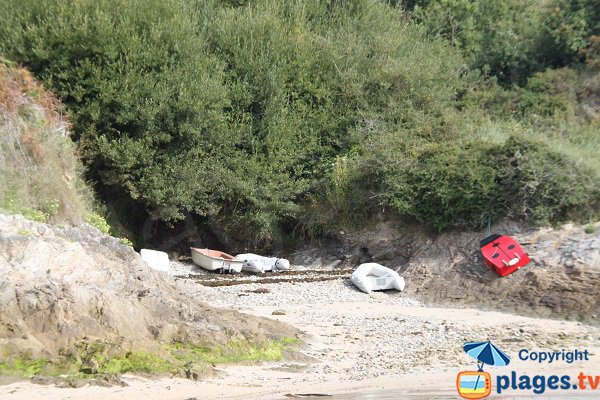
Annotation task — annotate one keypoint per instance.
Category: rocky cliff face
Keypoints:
(562, 281)
(61, 285)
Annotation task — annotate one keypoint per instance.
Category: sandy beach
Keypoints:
(355, 344)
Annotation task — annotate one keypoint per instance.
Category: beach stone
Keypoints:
(191, 374)
(259, 290)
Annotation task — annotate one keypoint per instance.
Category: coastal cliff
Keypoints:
(64, 287)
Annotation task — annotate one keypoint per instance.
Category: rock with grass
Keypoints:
(77, 293)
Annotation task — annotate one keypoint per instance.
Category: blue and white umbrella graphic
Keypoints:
(487, 353)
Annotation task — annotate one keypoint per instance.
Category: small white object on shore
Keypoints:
(261, 264)
(372, 276)
(157, 260)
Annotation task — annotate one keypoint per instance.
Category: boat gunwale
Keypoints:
(204, 252)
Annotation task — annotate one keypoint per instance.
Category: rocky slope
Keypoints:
(562, 281)
(62, 285)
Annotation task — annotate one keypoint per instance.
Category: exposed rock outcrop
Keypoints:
(61, 285)
(562, 281)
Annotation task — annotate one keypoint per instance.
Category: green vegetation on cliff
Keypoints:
(40, 175)
(511, 39)
(285, 115)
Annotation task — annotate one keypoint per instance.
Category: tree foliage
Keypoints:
(512, 39)
(264, 114)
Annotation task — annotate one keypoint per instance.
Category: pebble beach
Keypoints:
(381, 345)
(358, 336)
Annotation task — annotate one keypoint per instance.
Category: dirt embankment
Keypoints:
(62, 285)
(562, 281)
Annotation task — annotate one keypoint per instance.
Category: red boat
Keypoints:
(503, 254)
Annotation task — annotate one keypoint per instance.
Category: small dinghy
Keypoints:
(214, 260)
(502, 254)
(259, 264)
(372, 276)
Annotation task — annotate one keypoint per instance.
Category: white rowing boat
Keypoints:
(214, 260)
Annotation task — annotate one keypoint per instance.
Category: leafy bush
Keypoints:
(499, 37)
(461, 183)
(239, 113)
(512, 39)
(260, 116)
(560, 106)
(568, 26)
(442, 184)
(543, 185)
(550, 93)
(344, 199)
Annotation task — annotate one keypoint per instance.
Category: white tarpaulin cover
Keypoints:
(372, 276)
(260, 264)
(156, 259)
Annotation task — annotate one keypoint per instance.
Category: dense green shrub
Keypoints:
(303, 76)
(499, 37)
(260, 116)
(561, 107)
(458, 183)
(540, 184)
(145, 98)
(511, 39)
(239, 113)
(568, 26)
(550, 93)
(441, 184)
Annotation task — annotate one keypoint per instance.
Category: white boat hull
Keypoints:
(214, 263)
(372, 276)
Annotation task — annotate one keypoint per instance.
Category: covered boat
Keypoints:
(372, 276)
(502, 254)
(213, 260)
(260, 264)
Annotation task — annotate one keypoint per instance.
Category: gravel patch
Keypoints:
(178, 268)
(328, 292)
(355, 338)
